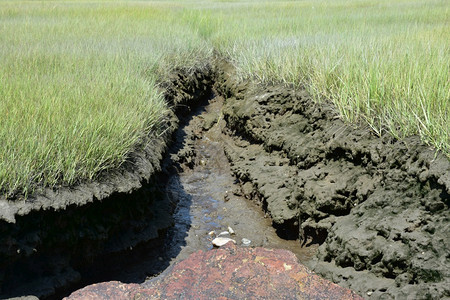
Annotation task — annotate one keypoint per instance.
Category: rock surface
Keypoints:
(227, 273)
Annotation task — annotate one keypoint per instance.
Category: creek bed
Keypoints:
(209, 199)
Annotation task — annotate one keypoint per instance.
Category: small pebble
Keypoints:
(230, 230)
(369, 293)
(224, 233)
(246, 242)
(226, 197)
(211, 233)
(220, 241)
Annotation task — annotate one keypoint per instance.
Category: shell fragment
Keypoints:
(220, 241)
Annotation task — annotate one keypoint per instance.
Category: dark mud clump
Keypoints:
(378, 206)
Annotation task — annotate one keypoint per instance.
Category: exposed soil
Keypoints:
(377, 207)
(208, 196)
(59, 240)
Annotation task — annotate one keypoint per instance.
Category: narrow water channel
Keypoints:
(132, 237)
(208, 197)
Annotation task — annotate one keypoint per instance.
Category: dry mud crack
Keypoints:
(378, 207)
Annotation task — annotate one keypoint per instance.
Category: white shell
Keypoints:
(246, 242)
(230, 230)
(220, 241)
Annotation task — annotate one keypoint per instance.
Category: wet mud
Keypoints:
(377, 206)
(209, 198)
(369, 213)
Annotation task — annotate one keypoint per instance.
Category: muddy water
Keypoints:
(208, 198)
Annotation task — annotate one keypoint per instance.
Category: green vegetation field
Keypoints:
(78, 79)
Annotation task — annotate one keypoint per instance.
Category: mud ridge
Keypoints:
(378, 206)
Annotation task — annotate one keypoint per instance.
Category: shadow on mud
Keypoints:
(54, 252)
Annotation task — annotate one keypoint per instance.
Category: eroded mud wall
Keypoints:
(86, 233)
(378, 206)
(46, 252)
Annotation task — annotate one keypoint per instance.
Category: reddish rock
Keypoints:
(230, 272)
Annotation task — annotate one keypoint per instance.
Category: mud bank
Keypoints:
(377, 206)
(58, 240)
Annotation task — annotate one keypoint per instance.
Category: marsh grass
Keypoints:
(78, 86)
(386, 63)
(78, 80)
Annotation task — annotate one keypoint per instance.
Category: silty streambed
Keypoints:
(209, 200)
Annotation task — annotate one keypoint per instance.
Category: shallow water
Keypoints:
(209, 201)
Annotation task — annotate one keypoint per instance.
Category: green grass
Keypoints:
(78, 79)
(384, 62)
(77, 86)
